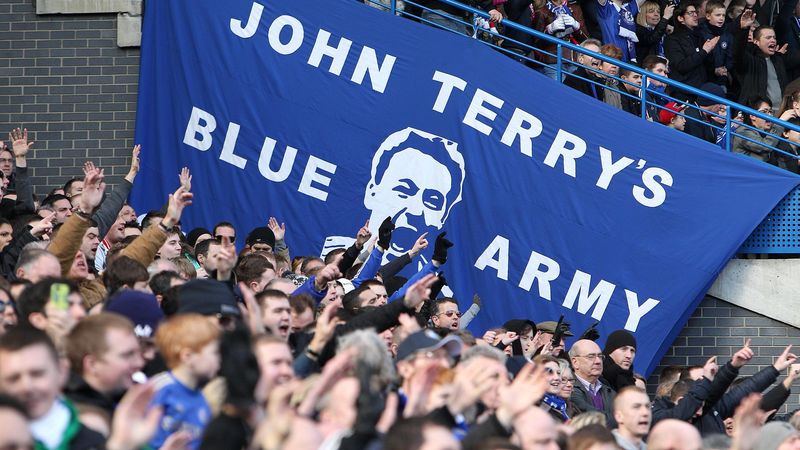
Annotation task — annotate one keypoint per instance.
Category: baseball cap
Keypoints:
(427, 341)
(669, 112)
(207, 297)
(140, 307)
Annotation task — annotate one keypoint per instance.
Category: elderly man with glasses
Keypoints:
(589, 393)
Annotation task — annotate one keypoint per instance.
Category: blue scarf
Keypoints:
(557, 403)
(556, 10)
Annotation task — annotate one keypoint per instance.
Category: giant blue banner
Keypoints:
(325, 113)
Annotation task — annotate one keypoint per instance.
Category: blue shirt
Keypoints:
(609, 19)
(184, 410)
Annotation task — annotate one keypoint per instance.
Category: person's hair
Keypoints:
(21, 337)
(351, 302)
(467, 338)
(753, 103)
(333, 254)
(162, 281)
(664, 388)
(170, 301)
(251, 267)
(8, 402)
(441, 150)
(717, 441)
(732, 7)
(671, 373)
(184, 331)
(625, 390)
(262, 296)
(372, 355)
(30, 256)
(651, 61)
(301, 302)
(647, 7)
(586, 437)
(150, 217)
(591, 41)
(133, 224)
(202, 247)
(794, 121)
(680, 10)
(280, 260)
(89, 337)
(297, 261)
(757, 33)
(372, 282)
(788, 99)
(185, 267)
(638, 376)
(50, 200)
(483, 351)
(441, 301)
(544, 359)
(712, 5)
(123, 271)
(34, 298)
(223, 224)
(408, 434)
(679, 389)
(611, 51)
(588, 418)
(686, 372)
(626, 72)
(68, 184)
(307, 261)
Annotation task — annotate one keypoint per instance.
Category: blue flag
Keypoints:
(327, 113)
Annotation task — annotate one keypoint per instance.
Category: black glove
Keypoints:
(440, 248)
(385, 233)
(437, 286)
(591, 333)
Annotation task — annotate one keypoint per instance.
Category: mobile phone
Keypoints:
(58, 296)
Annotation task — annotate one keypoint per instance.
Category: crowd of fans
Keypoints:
(747, 51)
(126, 333)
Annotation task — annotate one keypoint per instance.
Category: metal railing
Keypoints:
(728, 124)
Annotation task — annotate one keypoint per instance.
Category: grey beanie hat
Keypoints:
(773, 434)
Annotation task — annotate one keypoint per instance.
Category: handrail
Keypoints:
(561, 45)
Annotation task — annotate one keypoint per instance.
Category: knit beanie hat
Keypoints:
(141, 308)
(191, 238)
(261, 235)
(617, 339)
(773, 434)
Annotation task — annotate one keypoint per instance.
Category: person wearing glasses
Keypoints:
(446, 314)
(686, 50)
(589, 393)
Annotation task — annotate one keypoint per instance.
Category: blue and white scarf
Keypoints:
(557, 403)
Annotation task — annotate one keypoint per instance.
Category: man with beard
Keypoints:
(620, 351)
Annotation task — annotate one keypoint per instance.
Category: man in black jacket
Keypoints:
(585, 80)
(762, 66)
(685, 51)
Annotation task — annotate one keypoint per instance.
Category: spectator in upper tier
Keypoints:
(618, 25)
(686, 51)
(785, 161)
(787, 28)
(586, 80)
(609, 70)
(669, 116)
(758, 136)
(631, 85)
(563, 21)
(719, 64)
(651, 28)
(706, 121)
(762, 66)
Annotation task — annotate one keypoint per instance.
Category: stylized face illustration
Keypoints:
(415, 188)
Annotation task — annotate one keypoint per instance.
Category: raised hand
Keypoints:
(420, 245)
(185, 178)
(476, 300)
(226, 259)
(785, 360)
(177, 201)
(134, 423)
(528, 387)
(134, 170)
(471, 381)
(278, 230)
(363, 235)
(441, 247)
(747, 19)
(385, 233)
(19, 142)
(489, 337)
(327, 273)
(325, 327)
(419, 291)
(710, 44)
(93, 188)
(747, 422)
(710, 368)
(783, 49)
(744, 355)
(252, 312)
(44, 226)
